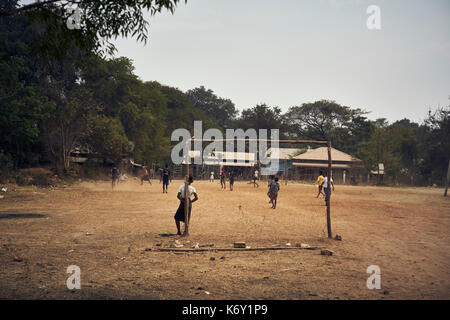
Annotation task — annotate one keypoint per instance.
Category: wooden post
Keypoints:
(447, 179)
(186, 193)
(186, 201)
(329, 191)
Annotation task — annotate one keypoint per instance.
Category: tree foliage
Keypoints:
(220, 109)
(100, 21)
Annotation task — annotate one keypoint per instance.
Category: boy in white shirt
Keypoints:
(255, 179)
(123, 177)
(179, 215)
(325, 186)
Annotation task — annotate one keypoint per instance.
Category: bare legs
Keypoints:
(320, 192)
(178, 227)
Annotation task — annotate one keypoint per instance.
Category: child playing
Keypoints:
(180, 215)
(255, 179)
(165, 177)
(273, 192)
(231, 177)
(222, 179)
(145, 176)
(319, 182)
(123, 177)
(114, 176)
(325, 187)
(269, 182)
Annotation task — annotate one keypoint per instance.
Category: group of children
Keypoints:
(223, 177)
(165, 177)
(273, 188)
(117, 177)
(180, 215)
(273, 185)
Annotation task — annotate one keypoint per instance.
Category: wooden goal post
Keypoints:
(328, 197)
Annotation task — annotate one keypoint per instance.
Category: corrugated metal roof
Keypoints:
(321, 153)
(284, 153)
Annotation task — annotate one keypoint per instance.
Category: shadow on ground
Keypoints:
(18, 215)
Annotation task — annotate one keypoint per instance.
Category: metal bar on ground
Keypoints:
(235, 249)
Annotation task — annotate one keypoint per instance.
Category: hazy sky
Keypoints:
(288, 52)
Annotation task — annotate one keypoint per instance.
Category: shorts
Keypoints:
(180, 215)
(145, 178)
(165, 182)
(273, 196)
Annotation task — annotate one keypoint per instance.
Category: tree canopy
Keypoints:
(97, 22)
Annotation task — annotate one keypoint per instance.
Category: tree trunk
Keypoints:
(186, 200)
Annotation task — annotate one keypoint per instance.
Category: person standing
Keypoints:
(114, 176)
(180, 214)
(270, 180)
(273, 192)
(255, 179)
(231, 177)
(222, 179)
(211, 177)
(165, 177)
(269, 183)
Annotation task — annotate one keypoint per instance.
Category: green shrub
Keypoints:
(35, 176)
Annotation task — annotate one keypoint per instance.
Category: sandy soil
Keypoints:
(108, 234)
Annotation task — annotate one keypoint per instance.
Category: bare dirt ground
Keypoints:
(405, 231)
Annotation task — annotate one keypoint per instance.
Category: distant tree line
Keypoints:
(52, 103)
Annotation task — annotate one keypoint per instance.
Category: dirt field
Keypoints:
(108, 234)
